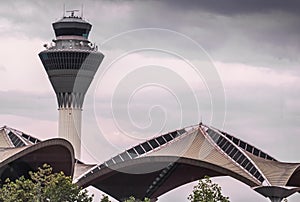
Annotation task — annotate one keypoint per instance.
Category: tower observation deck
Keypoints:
(71, 62)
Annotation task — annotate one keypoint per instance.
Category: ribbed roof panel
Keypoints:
(12, 138)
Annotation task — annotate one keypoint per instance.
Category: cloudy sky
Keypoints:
(168, 64)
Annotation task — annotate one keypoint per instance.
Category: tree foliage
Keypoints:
(104, 198)
(43, 186)
(206, 191)
(132, 199)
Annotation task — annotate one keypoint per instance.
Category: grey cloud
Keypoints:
(2, 68)
(257, 38)
(235, 7)
(254, 32)
(259, 115)
(20, 103)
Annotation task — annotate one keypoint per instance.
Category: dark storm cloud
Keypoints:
(29, 19)
(236, 7)
(264, 33)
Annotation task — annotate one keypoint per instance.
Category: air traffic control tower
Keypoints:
(71, 62)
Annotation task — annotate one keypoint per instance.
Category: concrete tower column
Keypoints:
(69, 127)
(275, 199)
(276, 193)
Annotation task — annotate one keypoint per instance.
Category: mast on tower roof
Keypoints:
(72, 12)
(64, 10)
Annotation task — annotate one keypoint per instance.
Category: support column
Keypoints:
(275, 199)
(276, 193)
(69, 128)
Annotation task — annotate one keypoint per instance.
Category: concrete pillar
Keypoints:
(69, 128)
(275, 199)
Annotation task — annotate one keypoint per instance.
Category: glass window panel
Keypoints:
(56, 57)
(242, 144)
(15, 140)
(125, 156)
(73, 60)
(102, 166)
(59, 58)
(245, 162)
(139, 149)
(232, 152)
(249, 148)
(132, 153)
(215, 136)
(240, 158)
(153, 143)
(260, 178)
(164, 138)
(253, 170)
(237, 155)
(117, 159)
(167, 137)
(225, 145)
(109, 163)
(160, 140)
(256, 152)
(262, 155)
(229, 148)
(228, 136)
(256, 174)
(88, 174)
(31, 139)
(249, 166)
(146, 146)
(181, 131)
(174, 134)
(25, 136)
(221, 141)
(210, 132)
(95, 170)
(18, 143)
(236, 141)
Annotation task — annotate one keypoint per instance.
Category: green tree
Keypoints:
(104, 198)
(206, 191)
(132, 199)
(43, 186)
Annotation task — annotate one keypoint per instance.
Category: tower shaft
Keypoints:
(70, 127)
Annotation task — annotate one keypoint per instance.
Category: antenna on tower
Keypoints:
(72, 12)
(64, 10)
(81, 10)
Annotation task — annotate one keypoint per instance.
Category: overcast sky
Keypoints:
(168, 64)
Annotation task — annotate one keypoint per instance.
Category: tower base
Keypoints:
(276, 193)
